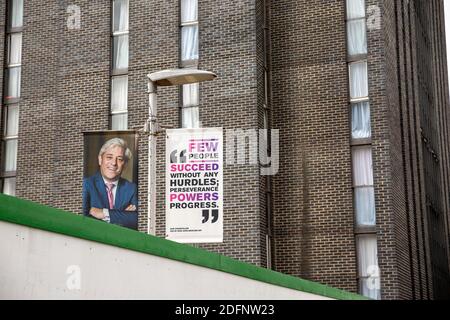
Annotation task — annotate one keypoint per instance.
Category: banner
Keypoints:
(194, 185)
(110, 177)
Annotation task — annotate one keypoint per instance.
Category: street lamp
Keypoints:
(170, 77)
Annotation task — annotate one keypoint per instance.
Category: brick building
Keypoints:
(358, 90)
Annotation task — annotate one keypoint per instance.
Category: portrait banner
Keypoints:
(110, 177)
(194, 185)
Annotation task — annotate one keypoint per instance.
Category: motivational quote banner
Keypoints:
(194, 185)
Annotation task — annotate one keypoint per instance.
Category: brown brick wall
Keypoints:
(410, 245)
(404, 200)
(153, 47)
(228, 46)
(435, 164)
(383, 141)
(313, 213)
(66, 80)
(302, 50)
(413, 134)
(66, 90)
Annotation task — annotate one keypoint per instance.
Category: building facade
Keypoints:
(358, 90)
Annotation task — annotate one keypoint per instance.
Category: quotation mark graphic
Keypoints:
(174, 158)
(214, 213)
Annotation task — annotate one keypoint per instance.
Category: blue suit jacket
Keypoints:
(94, 195)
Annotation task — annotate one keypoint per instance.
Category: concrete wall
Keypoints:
(38, 264)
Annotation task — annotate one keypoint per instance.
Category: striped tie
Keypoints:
(109, 188)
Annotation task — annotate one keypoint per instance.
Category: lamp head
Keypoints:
(173, 77)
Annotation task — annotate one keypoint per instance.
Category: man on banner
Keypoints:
(106, 195)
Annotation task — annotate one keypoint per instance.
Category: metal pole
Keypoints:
(152, 128)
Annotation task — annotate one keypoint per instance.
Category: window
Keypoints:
(189, 43)
(11, 97)
(190, 114)
(10, 154)
(359, 100)
(13, 83)
(9, 186)
(364, 192)
(14, 49)
(189, 32)
(120, 58)
(16, 13)
(119, 98)
(11, 120)
(363, 185)
(120, 16)
(368, 270)
(361, 120)
(356, 9)
(14, 54)
(362, 166)
(120, 52)
(359, 86)
(356, 28)
(356, 37)
(190, 117)
(10, 135)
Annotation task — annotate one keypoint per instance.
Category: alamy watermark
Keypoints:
(373, 277)
(253, 147)
(74, 17)
(73, 281)
(373, 18)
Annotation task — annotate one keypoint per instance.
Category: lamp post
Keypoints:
(170, 77)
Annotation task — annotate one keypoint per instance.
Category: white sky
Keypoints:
(447, 31)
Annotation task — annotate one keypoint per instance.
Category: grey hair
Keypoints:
(117, 142)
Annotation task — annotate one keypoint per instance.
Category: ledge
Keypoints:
(38, 216)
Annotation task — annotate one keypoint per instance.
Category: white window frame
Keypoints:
(116, 73)
(193, 63)
(361, 277)
(8, 103)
